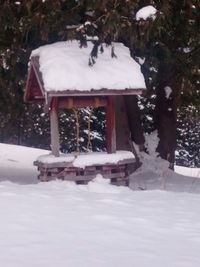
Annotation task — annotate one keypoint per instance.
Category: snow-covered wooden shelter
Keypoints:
(59, 75)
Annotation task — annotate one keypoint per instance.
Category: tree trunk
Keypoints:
(128, 125)
(167, 94)
(134, 121)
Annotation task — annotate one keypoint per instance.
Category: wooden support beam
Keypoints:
(110, 125)
(54, 127)
(81, 102)
(123, 136)
(33, 91)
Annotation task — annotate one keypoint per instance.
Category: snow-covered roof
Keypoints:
(64, 67)
(146, 12)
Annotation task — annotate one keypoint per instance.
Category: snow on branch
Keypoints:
(146, 12)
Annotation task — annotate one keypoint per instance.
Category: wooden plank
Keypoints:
(53, 165)
(69, 177)
(81, 102)
(117, 176)
(120, 175)
(54, 128)
(69, 164)
(110, 126)
(79, 178)
(100, 92)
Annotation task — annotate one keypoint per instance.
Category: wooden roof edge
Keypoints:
(34, 61)
(38, 77)
(27, 85)
(34, 101)
(100, 92)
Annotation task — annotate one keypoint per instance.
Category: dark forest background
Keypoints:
(170, 45)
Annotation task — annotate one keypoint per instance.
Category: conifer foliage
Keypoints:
(166, 45)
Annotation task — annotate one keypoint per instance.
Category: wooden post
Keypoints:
(123, 138)
(54, 127)
(110, 125)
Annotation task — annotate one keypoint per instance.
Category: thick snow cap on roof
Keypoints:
(64, 66)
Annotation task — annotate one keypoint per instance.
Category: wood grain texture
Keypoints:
(54, 128)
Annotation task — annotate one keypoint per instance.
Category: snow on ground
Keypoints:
(64, 66)
(193, 172)
(62, 224)
(16, 163)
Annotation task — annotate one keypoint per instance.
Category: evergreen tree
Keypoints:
(168, 45)
(25, 25)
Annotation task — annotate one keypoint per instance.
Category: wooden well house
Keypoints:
(60, 77)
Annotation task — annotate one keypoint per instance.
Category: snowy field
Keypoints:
(59, 224)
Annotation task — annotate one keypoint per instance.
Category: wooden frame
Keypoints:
(55, 144)
(110, 126)
(108, 102)
(81, 102)
(53, 101)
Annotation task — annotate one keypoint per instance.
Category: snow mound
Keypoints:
(193, 172)
(16, 163)
(155, 173)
